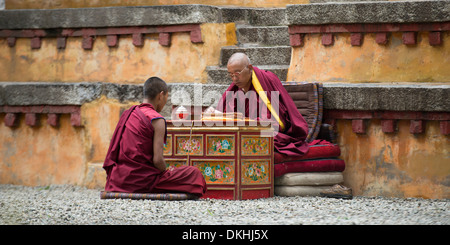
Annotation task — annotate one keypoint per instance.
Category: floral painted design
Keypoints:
(220, 145)
(184, 146)
(255, 171)
(168, 146)
(172, 164)
(253, 146)
(216, 172)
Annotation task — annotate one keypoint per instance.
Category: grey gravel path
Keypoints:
(64, 204)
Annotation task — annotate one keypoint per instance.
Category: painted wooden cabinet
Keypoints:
(236, 160)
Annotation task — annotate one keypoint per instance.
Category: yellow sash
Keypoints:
(266, 101)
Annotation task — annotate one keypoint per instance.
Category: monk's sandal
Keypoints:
(338, 191)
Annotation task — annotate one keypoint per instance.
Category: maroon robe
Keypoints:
(129, 161)
(290, 141)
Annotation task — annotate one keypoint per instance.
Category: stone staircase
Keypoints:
(263, 35)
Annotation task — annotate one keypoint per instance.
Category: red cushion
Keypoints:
(317, 149)
(314, 165)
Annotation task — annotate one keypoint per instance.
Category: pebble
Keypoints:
(66, 204)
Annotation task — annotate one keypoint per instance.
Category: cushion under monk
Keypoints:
(291, 191)
(310, 165)
(150, 196)
(310, 178)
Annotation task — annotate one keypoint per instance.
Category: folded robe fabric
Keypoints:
(317, 149)
(312, 165)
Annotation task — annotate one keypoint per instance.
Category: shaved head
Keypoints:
(153, 86)
(239, 59)
(240, 70)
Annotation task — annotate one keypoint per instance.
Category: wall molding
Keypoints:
(112, 34)
(389, 119)
(32, 114)
(357, 31)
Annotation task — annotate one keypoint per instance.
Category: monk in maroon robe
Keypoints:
(293, 129)
(134, 162)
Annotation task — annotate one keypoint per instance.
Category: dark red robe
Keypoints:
(291, 140)
(129, 160)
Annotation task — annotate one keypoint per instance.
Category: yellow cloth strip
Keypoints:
(266, 101)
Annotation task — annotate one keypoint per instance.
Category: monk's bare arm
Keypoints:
(159, 126)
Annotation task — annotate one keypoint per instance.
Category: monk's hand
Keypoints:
(212, 110)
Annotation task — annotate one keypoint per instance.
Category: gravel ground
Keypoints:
(63, 204)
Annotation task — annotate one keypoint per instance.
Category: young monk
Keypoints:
(134, 162)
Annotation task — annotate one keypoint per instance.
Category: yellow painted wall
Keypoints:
(53, 4)
(183, 61)
(371, 62)
(397, 164)
(43, 155)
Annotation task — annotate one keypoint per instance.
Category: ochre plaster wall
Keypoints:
(183, 61)
(370, 62)
(45, 4)
(397, 164)
(42, 155)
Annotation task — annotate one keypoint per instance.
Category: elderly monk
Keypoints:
(293, 129)
(134, 162)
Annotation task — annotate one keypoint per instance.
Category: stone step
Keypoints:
(219, 74)
(255, 16)
(343, 1)
(263, 36)
(275, 55)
